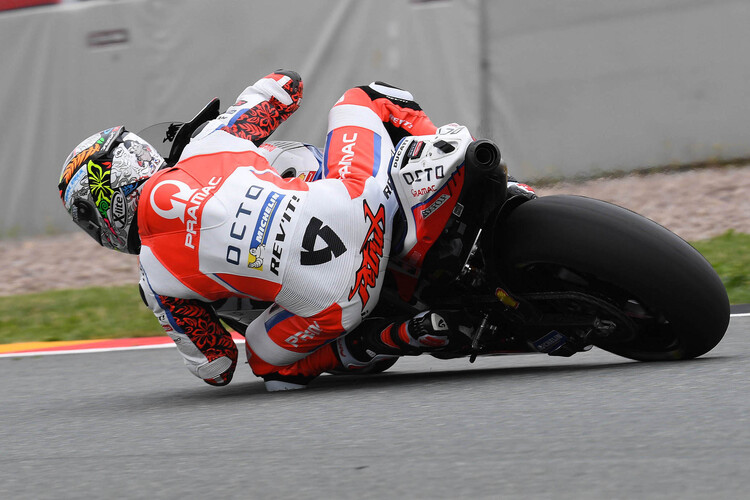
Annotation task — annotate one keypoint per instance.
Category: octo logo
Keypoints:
(169, 199)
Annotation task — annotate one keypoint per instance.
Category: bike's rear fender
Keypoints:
(492, 231)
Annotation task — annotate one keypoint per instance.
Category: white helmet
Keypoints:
(101, 182)
(293, 159)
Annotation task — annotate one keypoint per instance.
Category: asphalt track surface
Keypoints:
(135, 424)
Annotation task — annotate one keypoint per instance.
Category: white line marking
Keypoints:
(157, 346)
(83, 351)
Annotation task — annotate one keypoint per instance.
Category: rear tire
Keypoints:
(672, 294)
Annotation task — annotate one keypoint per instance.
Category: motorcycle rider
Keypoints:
(221, 223)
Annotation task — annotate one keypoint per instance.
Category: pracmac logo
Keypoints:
(173, 199)
(169, 199)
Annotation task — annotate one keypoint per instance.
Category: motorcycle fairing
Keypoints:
(427, 175)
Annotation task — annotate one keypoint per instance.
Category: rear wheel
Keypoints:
(665, 299)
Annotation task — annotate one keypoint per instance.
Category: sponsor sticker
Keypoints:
(260, 234)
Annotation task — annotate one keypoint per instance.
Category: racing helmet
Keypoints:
(101, 182)
(293, 159)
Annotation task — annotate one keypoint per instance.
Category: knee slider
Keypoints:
(382, 89)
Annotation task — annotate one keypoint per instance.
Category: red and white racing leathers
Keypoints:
(222, 223)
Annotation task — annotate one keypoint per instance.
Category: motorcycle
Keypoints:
(519, 273)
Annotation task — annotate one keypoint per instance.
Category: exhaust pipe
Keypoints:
(484, 156)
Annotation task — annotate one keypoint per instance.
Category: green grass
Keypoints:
(115, 312)
(87, 313)
(729, 254)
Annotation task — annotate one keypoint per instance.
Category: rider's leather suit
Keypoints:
(221, 223)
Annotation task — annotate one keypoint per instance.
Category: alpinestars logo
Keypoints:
(372, 253)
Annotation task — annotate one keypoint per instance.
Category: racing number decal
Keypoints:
(312, 257)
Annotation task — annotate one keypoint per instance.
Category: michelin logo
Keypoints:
(258, 243)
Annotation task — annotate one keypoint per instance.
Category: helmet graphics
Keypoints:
(100, 185)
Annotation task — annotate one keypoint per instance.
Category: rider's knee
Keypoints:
(400, 97)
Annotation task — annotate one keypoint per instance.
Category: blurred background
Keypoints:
(569, 89)
(566, 87)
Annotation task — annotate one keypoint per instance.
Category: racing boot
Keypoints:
(299, 374)
(377, 340)
(261, 107)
